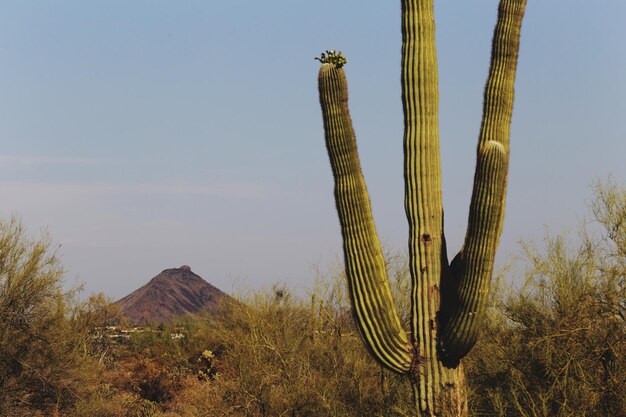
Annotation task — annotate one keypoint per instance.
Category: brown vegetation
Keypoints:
(554, 348)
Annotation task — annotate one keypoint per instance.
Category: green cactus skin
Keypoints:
(370, 293)
(447, 301)
(465, 294)
(424, 208)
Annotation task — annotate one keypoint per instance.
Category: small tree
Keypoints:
(41, 367)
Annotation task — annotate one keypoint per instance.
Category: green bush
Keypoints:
(42, 366)
(557, 347)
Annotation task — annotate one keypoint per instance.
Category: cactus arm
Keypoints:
(370, 293)
(465, 292)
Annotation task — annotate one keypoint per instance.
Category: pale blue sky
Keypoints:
(150, 134)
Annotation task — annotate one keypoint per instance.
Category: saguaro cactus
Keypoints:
(448, 301)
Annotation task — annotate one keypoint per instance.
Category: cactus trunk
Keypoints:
(447, 301)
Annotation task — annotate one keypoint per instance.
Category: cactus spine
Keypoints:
(447, 301)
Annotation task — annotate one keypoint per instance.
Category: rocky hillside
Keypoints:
(173, 292)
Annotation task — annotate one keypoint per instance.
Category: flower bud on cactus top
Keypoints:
(333, 57)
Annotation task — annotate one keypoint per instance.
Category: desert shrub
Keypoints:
(156, 380)
(276, 354)
(43, 367)
(119, 405)
(205, 366)
(110, 402)
(52, 356)
(557, 347)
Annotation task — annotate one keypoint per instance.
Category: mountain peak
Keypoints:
(173, 292)
(182, 269)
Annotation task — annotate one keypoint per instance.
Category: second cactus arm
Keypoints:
(466, 286)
